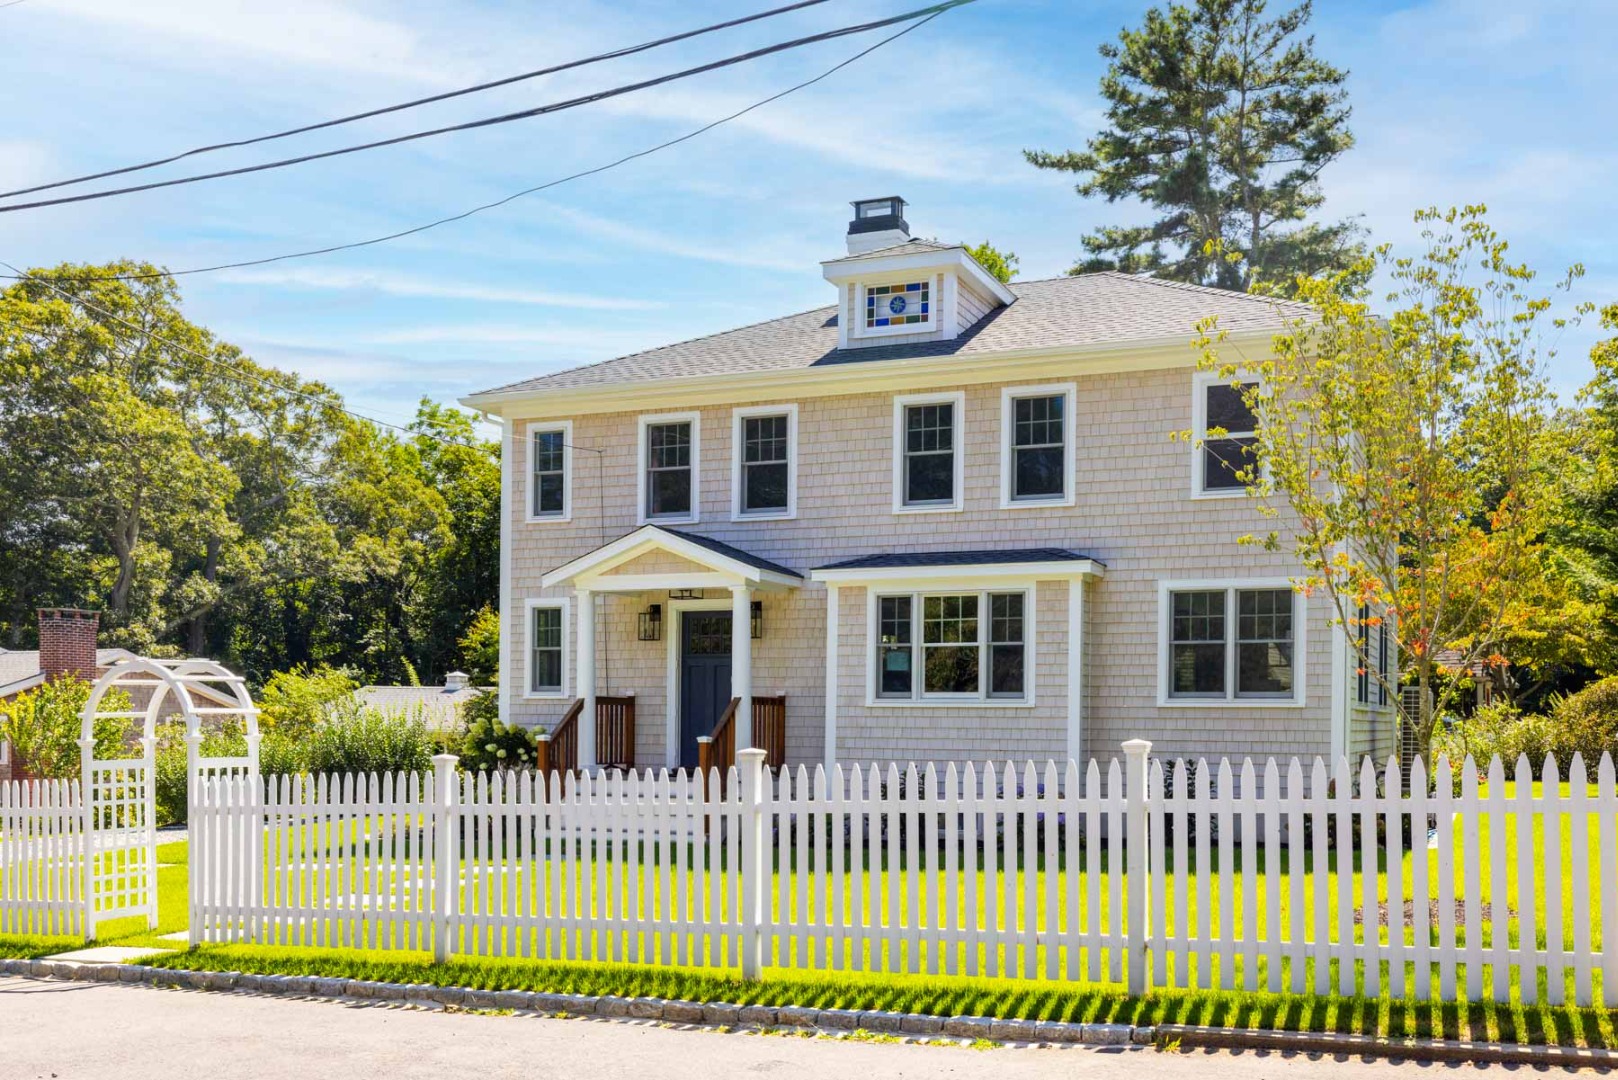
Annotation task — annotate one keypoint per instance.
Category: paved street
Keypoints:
(70, 1031)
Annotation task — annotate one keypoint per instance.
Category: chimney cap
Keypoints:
(879, 215)
(68, 613)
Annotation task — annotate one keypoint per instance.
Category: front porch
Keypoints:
(709, 670)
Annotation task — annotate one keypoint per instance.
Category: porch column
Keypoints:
(831, 677)
(1075, 668)
(741, 662)
(586, 654)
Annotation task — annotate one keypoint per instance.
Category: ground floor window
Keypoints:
(547, 648)
(951, 645)
(1231, 642)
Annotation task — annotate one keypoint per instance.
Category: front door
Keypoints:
(704, 677)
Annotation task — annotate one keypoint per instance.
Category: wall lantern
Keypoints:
(651, 623)
(685, 594)
(758, 619)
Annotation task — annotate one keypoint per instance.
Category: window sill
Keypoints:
(1035, 504)
(559, 519)
(1230, 703)
(546, 696)
(949, 703)
(773, 515)
(1239, 493)
(953, 508)
(691, 519)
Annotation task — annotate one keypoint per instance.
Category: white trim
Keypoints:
(675, 610)
(1300, 645)
(737, 426)
(532, 489)
(508, 432)
(1075, 669)
(901, 402)
(27, 682)
(832, 664)
(1008, 398)
(1200, 381)
(930, 281)
(592, 569)
(969, 576)
(641, 499)
(565, 605)
(949, 261)
(980, 700)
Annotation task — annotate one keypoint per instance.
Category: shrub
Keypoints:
(1586, 722)
(293, 702)
(489, 745)
(171, 764)
(43, 727)
(354, 738)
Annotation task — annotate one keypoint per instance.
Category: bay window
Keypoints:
(966, 646)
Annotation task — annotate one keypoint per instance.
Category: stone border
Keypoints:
(1332, 1044)
(634, 1008)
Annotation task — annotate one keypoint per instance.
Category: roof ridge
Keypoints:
(1191, 286)
(666, 345)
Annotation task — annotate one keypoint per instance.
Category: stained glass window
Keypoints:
(898, 305)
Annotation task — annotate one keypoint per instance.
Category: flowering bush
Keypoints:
(489, 745)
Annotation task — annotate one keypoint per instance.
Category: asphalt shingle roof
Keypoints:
(1087, 310)
(722, 548)
(438, 706)
(958, 558)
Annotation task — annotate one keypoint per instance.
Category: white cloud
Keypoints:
(594, 342)
(793, 261)
(401, 285)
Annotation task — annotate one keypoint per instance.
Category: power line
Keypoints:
(505, 118)
(570, 65)
(526, 191)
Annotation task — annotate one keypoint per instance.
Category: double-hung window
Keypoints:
(1382, 659)
(952, 646)
(547, 648)
(927, 437)
(1036, 464)
(1225, 436)
(764, 476)
(1228, 643)
(669, 457)
(550, 473)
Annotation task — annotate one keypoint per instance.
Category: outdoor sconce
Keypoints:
(758, 619)
(651, 623)
(685, 594)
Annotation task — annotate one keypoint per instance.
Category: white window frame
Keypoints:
(565, 605)
(935, 291)
(1008, 429)
(1165, 652)
(643, 494)
(874, 594)
(1199, 431)
(738, 426)
(901, 403)
(542, 428)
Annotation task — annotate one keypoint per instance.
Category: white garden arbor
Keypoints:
(120, 797)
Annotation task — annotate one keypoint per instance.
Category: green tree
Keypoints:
(1410, 458)
(43, 727)
(480, 648)
(1002, 264)
(1221, 121)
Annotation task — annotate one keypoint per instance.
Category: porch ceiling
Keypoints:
(716, 565)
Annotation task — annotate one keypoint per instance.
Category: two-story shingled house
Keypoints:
(943, 518)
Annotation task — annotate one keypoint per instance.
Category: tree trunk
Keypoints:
(125, 535)
(198, 636)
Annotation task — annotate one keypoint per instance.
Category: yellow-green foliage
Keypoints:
(43, 727)
(294, 701)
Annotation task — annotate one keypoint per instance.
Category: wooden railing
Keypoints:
(615, 732)
(559, 749)
(718, 749)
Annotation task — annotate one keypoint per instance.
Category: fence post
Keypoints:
(446, 855)
(87, 828)
(1138, 932)
(750, 768)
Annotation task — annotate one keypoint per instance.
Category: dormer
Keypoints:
(895, 290)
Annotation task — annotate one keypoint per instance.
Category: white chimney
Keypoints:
(456, 680)
(878, 223)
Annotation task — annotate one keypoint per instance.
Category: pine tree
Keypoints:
(1221, 121)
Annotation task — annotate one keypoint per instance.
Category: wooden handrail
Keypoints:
(615, 732)
(718, 749)
(559, 748)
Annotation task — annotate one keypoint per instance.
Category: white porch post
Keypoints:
(586, 653)
(831, 677)
(1075, 669)
(741, 662)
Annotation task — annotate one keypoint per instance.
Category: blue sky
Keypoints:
(1455, 101)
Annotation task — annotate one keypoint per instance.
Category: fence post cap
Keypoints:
(750, 755)
(1137, 746)
(708, 739)
(445, 761)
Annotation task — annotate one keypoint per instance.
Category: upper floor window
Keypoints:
(764, 474)
(1221, 408)
(961, 645)
(1228, 643)
(927, 452)
(1036, 465)
(669, 454)
(551, 473)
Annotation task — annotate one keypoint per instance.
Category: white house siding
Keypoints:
(1133, 511)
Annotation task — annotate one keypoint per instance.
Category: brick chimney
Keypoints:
(67, 642)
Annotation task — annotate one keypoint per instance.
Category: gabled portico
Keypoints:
(655, 558)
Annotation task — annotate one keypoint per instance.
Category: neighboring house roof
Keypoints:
(959, 558)
(439, 706)
(722, 548)
(19, 668)
(1083, 311)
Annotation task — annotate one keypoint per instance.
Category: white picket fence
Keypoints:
(1187, 876)
(42, 858)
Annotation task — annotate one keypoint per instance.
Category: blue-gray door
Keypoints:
(704, 676)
